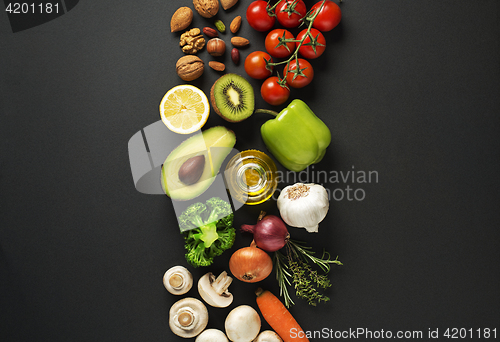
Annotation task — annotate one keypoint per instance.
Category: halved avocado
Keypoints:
(215, 144)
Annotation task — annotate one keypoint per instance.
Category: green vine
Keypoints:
(309, 19)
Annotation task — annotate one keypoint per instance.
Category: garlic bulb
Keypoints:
(303, 205)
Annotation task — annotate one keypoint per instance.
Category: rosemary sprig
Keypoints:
(283, 277)
(323, 262)
(294, 268)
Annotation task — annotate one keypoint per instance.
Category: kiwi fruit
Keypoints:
(232, 98)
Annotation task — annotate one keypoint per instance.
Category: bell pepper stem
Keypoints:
(266, 111)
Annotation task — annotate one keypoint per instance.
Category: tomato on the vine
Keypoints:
(289, 12)
(308, 51)
(258, 17)
(273, 92)
(273, 40)
(305, 74)
(256, 65)
(328, 17)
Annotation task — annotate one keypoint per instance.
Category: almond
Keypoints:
(235, 24)
(217, 66)
(181, 19)
(239, 41)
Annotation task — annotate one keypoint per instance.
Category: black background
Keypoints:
(408, 88)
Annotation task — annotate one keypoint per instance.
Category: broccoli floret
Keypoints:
(197, 255)
(225, 241)
(209, 230)
(191, 217)
(219, 209)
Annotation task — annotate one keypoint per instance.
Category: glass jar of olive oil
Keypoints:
(251, 177)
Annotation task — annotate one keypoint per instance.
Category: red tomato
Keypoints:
(307, 51)
(273, 93)
(328, 17)
(255, 65)
(258, 17)
(301, 80)
(289, 12)
(272, 42)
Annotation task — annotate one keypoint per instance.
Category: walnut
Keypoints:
(192, 41)
(189, 67)
(206, 8)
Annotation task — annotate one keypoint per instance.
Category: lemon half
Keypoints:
(184, 109)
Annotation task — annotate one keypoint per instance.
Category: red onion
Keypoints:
(269, 234)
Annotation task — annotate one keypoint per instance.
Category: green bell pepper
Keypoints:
(296, 137)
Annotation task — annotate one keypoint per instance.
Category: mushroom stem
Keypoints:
(188, 317)
(176, 280)
(221, 284)
(185, 318)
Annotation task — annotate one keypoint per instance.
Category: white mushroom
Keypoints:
(268, 336)
(242, 324)
(212, 335)
(178, 280)
(214, 290)
(188, 317)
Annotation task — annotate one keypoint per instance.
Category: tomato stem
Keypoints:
(295, 55)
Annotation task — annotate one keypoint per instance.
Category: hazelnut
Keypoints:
(216, 47)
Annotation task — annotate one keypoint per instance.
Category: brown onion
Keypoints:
(269, 233)
(250, 264)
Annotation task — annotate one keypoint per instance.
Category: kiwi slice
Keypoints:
(232, 98)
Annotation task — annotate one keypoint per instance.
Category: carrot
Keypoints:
(279, 318)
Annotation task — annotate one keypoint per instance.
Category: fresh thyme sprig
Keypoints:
(294, 268)
(305, 280)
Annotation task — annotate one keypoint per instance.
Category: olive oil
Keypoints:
(251, 177)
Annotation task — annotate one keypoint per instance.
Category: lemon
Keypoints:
(184, 109)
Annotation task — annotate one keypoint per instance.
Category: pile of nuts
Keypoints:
(192, 41)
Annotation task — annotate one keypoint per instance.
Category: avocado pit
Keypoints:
(192, 169)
